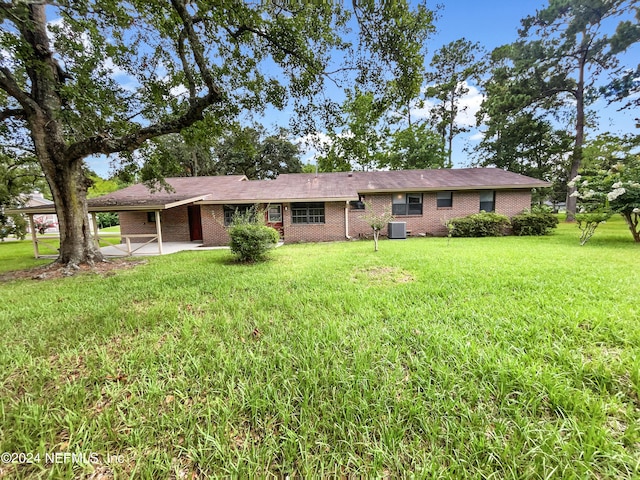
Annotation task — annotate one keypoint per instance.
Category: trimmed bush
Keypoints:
(251, 240)
(479, 225)
(538, 221)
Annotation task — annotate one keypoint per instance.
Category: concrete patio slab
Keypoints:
(150, 249)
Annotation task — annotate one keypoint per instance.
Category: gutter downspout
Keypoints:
(346, 220)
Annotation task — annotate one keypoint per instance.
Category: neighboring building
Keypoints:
(36, 199)
(316, 207)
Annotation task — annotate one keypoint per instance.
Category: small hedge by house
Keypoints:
(251, 240)
(479, 225)
(539, 221)
(251, 243)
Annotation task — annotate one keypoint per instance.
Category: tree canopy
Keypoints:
(452, 66)
(561, 52)
(252, 152)
(103, 77)
(611, 183)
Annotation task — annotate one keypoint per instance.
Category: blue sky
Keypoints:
(496, 23)
(491, 24)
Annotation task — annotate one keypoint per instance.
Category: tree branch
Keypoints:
(9, 85)
(196, 46)
(185, 65)
(12, 113)
(103, 143)
(306, 62)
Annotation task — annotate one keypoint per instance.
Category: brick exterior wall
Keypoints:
(213, 231)
(175, 221)
(332, 230)
(512, 202)
(432, 220)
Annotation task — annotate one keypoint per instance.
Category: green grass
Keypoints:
(114, 229)
(468, 358)
(18, 255)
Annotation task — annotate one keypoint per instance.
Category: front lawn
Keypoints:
(18, 254)
(465, 358)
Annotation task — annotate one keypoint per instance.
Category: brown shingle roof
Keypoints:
(347, 185)
(186, 190)
(338, 186)
(291, 187)
(443, 179)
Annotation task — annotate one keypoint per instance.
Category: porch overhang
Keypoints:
(111, 207)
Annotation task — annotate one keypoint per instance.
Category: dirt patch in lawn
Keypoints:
(53, 270)
(382, 275)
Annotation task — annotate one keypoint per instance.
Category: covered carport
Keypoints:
(150, 217)
(45, 245)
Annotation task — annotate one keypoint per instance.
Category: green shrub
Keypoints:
(19, 227)
(107, 219)
(538, 221)
(251, 240)
(481, 224)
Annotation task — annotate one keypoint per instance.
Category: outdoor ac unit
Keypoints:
(397, 230)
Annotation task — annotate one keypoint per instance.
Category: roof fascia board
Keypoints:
(275, 200)
(450, 188)
(50, 209)
(184, 202)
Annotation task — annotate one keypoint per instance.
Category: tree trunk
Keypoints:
(452, 122)
(632, 221)
(76, 241)
(61, 154)
(63, 172)
(576, 160)
(68, 185)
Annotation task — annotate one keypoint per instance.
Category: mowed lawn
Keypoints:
(463, 358)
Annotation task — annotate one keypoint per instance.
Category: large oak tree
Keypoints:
(87, 77)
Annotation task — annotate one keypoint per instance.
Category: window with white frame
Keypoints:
(406, 204)
(488, 200)
(444, 199)
(274, 214)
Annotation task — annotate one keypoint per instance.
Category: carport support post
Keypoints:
(34, 237)
(159, 231)
(96, 237)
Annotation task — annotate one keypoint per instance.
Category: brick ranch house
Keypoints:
(316, 207)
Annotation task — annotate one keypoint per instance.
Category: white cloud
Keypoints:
(476, 137)
(468, 106)
(312, 144)
(178, 91)
(314, 140)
